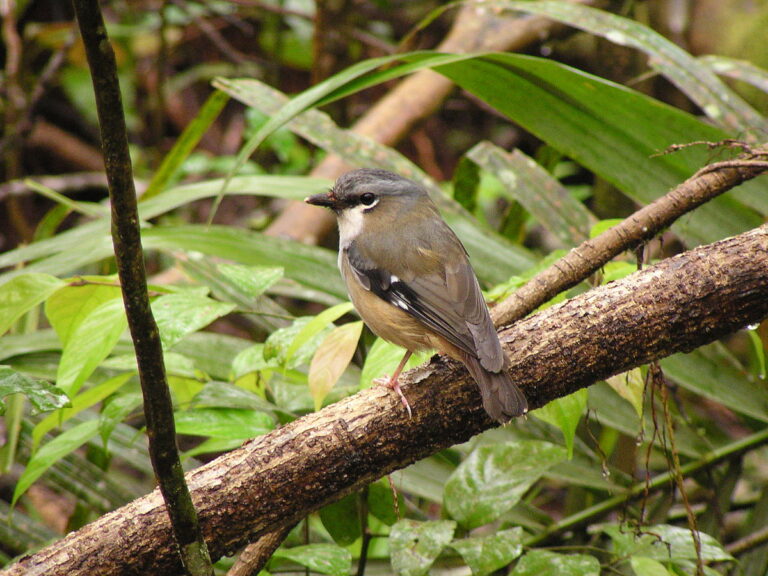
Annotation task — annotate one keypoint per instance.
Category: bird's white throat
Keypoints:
(351, 222)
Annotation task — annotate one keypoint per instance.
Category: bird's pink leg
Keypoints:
(395, 385)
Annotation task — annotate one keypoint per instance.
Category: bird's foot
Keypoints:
(393, 384)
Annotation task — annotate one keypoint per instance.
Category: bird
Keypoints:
(410, 279)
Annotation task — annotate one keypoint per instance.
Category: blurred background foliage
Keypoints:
(531, 154)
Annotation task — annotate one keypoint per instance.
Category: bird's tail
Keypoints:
(502, 399)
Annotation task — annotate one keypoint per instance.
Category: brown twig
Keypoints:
(126, 237)
(709, 182)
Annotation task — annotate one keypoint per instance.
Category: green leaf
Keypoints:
(225, 395)
(664, 542)
(79, 403)
(603, 225)
(252, 360)
(383, 358)
(115, 411)
(737, 69)
(323, 558)
(486, 554)
(279, 342)
(493, 479)
(22, 294)
(43, 396)
(381, 502)
(542, 195)
(316, 325)
(309, 265)
(709, 372)
(225, 423)
(90, 340)
(331, 359)
(546, 563)
(414, 546)
(691, 76)
(179, 315)
(342, 520)
(630, 386)
(52, 452)
(71, 305)
(643, 566)
(186, 143)
(565, 413)
(466, 181)
(251, 280)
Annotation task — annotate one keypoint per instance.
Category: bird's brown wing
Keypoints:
(444, 296)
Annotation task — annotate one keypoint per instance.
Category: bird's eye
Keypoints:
(367, 199)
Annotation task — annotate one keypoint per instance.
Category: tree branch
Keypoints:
(126, 237)
(275, 480)
(709, 182)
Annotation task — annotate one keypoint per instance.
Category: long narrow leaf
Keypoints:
(697, 81)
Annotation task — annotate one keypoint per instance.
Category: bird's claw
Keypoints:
(395, 385)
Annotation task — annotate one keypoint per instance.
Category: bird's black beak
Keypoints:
(326, 199)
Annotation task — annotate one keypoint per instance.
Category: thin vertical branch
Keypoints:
(126, 238)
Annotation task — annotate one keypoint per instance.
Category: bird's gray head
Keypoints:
(359, 194)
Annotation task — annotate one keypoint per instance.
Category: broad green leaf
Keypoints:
(546, 563)
(630, 386)
(381, 502)
(309, 265)
(22, 294)
(644, 566)
(692, 77)
(414, 546)
(251, 280)
(486, 554)
(495, 477)
(44, 397)
(225, 395)
(323, 558)
(279, 342)
(710, 373)
(79, 403)
(383, 358)
(225, 423)
(115, 411)
(664, 542)
(52, 452)
(186, 143)
(316, 325)
(331, 359)
(541, 194)
(90, 341)
(69, 306)
(342, 520)
(493, 257)
(565, 413)
(252, 360)
(178, 315)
